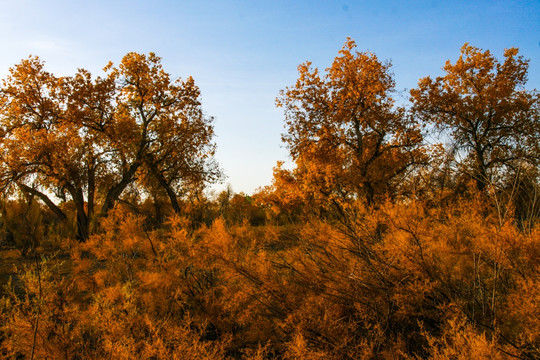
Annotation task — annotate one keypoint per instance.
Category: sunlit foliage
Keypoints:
(89, 139)
(492, 119)
(343, 130)
(355, 252)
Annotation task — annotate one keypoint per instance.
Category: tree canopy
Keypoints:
(493, 120)
(88, 139)
(344, 131)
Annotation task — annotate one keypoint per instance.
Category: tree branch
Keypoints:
(44, 198)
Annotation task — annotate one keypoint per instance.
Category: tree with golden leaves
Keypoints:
(87, 139)
(491, 118)
(344, 131)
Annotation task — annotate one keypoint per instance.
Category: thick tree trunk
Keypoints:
(157, 210)
(116, 190)
(91, 190)
(173, 199)
(83, 229)
(481, 176)
(370, 193)
(165, 185)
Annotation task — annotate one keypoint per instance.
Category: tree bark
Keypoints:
(83, 230)
(166, 186)
(116, 190)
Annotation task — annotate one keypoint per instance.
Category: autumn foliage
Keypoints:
(372, 245)
(345, 133)
(91, 139)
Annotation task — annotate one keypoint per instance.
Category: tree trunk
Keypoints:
(370, 193)
(83, 230)
(116, 190)
(165, 185)
(158, 212)
(91, 190)
(481, 171)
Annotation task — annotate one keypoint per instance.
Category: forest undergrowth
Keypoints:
(403, 280)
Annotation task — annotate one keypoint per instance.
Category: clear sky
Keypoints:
(241, 53)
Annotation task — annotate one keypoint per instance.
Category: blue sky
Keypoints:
(241, 53)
